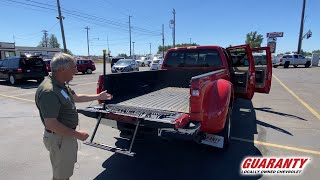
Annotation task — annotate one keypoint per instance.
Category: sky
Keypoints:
(205, 22)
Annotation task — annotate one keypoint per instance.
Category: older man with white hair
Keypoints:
(56, 103)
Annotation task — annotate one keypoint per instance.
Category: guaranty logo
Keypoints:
(274, 166)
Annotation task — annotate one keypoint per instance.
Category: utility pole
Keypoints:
(130, 33)
(108, 45)
(14, 40)
(150, 48)
(45, 34)
(162, 40)
(174, 27)
(133, 50)
(301, 27)
(61, 26)
(190, 41)
(87, 28)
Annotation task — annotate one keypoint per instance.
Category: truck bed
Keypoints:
(167, 99)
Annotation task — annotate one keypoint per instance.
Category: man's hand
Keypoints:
(82, 135)
(104, 96)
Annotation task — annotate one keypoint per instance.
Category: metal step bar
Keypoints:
(110, 148)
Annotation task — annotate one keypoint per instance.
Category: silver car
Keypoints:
(125, 65)
(156, 64)
(142, 61)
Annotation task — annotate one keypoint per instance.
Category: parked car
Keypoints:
(276, 61)
(295, 60)
(156, 64)
(85, 66)
(15, 69)
(125, 65)
(47, 62)
(115, 60)
(142, 61)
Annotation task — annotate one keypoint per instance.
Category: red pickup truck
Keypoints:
(191, 96)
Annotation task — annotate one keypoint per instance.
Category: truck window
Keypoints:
(32, 63)
(260, 59)
(14, 63)
(4, 63)
(239, 58)
(194, 58)
(296, 56)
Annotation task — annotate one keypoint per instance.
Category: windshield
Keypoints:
(123, 62)
(194, 58)
(156, 60)
(260, 59)
(32, 62)
(142, 58)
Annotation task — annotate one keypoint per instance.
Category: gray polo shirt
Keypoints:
(54, 100)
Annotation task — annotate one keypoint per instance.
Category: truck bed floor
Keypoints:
(169, 99)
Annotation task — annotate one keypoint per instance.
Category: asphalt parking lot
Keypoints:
(284, 123)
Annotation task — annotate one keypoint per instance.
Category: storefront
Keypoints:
(9, 50)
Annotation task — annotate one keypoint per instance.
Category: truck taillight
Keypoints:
(195, 97)
(280, 59)
(19, 70)
(100, 86)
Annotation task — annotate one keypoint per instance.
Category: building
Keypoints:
(10, 49)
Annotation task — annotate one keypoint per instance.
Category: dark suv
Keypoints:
(86, 66)
(17, 69)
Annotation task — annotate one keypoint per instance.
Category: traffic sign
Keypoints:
(275, 34)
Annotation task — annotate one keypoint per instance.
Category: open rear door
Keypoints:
(242, 71)
(263, 69)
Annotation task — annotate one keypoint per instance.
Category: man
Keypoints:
(56, 104)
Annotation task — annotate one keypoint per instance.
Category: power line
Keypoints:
(85, 15)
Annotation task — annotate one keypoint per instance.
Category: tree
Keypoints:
(53, 42)
(254, 39)
(305, 53)
(123, 55)
(44, 41)
(69, 52)
(316, 51)
(177, 45)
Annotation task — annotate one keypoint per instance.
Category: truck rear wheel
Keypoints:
(308, 63)
(226, 132)
(286, 64)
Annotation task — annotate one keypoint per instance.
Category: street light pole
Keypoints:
(133, 50)
(150, 48)
(130, 33)
(87, 28)
(301, 27)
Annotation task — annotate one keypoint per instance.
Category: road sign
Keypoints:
(275, 34)
(272, 46)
